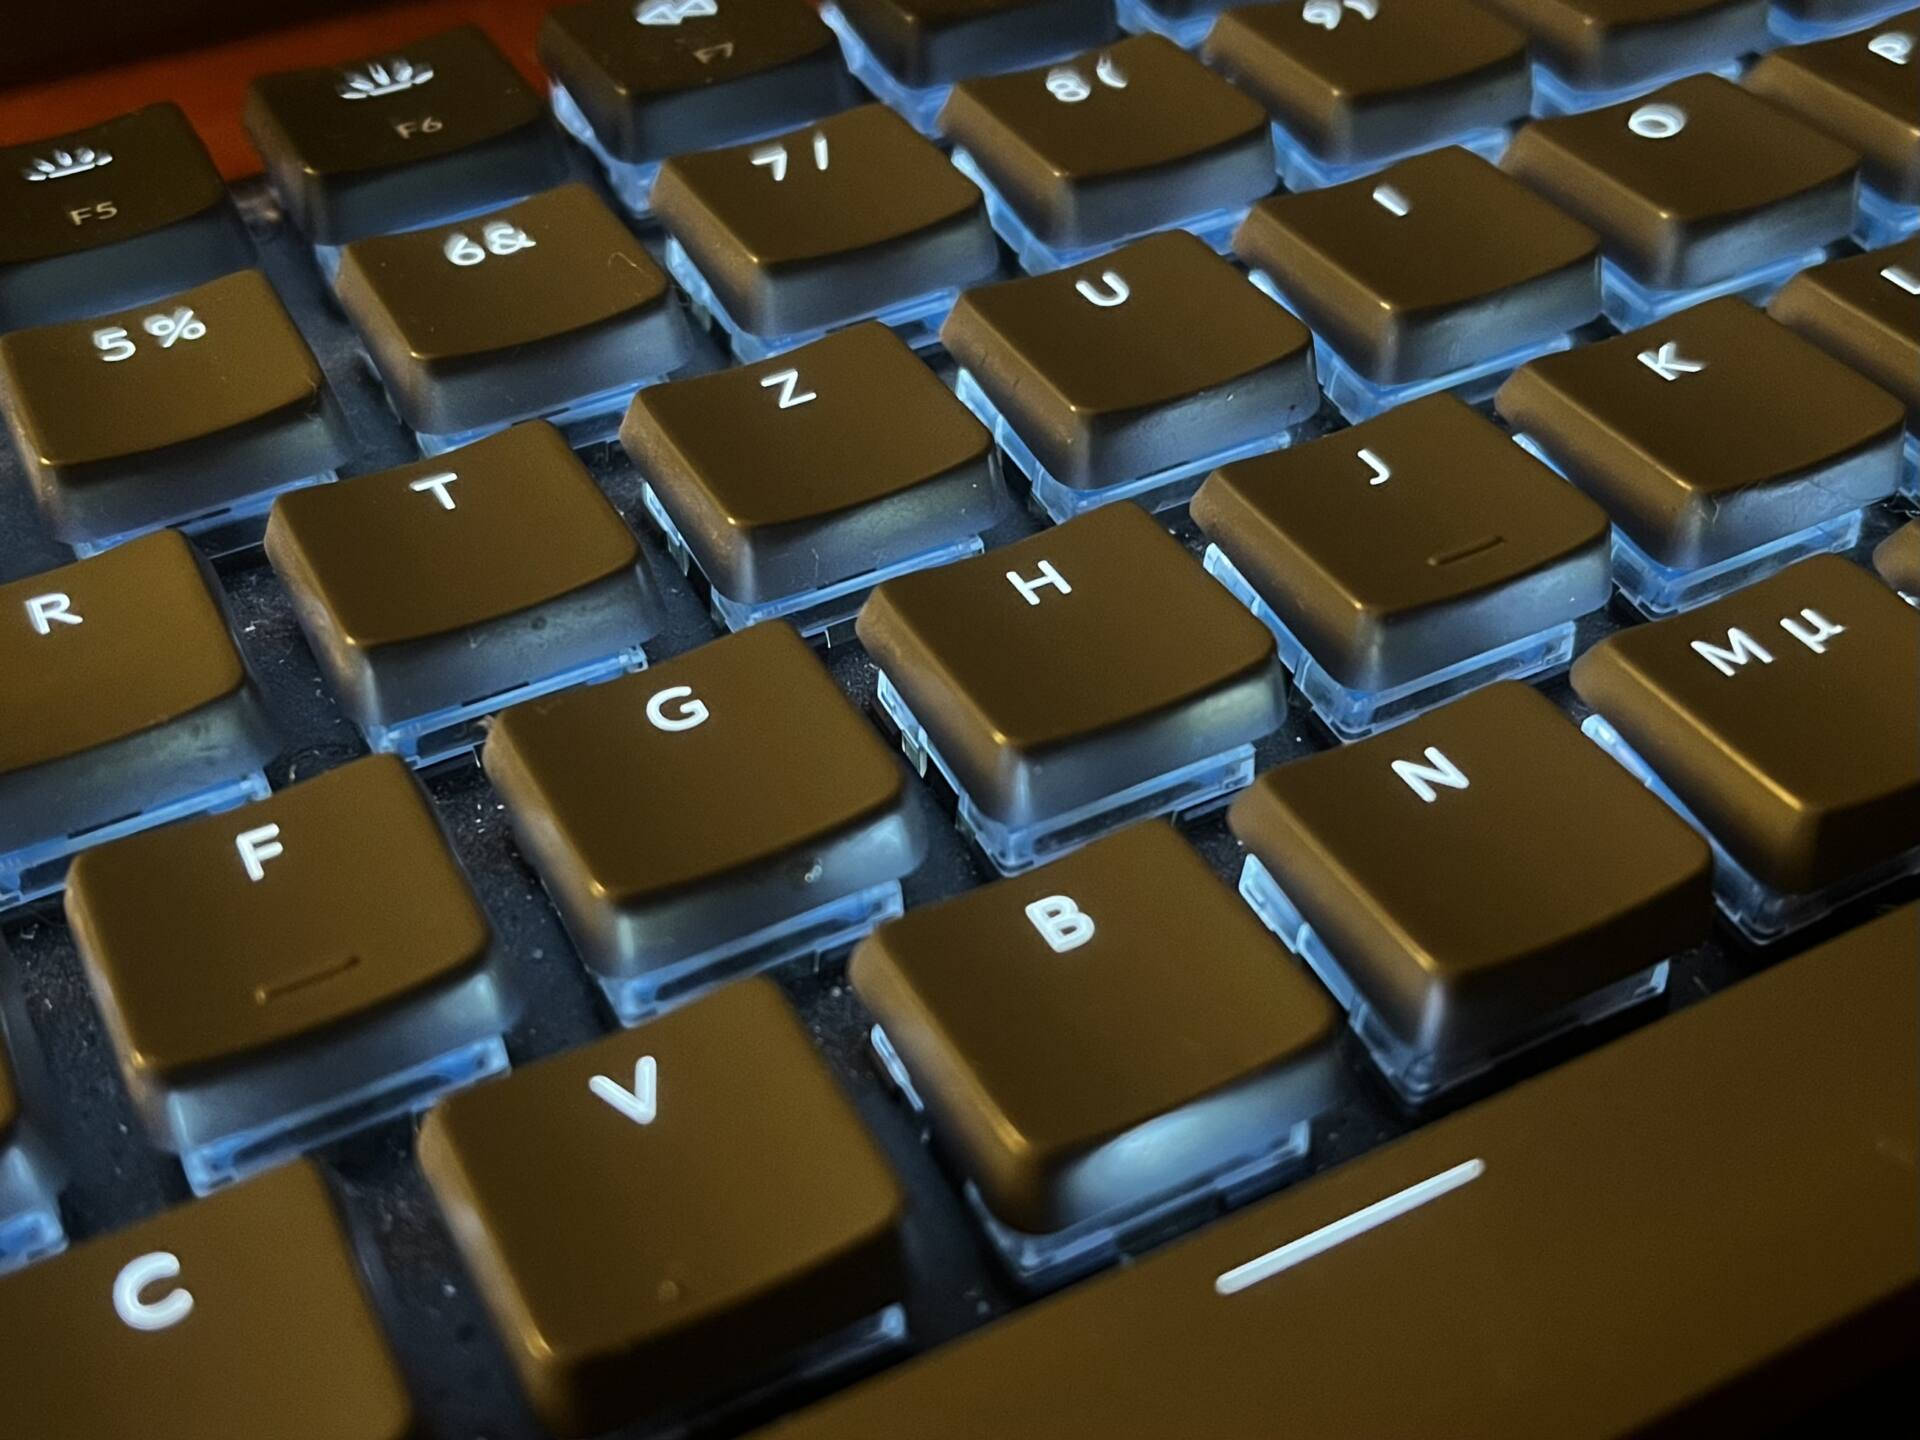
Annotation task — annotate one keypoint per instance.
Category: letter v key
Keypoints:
(639, 1104)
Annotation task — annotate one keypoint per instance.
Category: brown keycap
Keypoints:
(124, 689)
(1154, 355)
(215, 940)
(119, 212)
(1407, 544)
(1036, 1018)
(512, 314)
(1865, 310)
(443, 126)
(764, 794)
(928, 42)
(244, 1314)
(166, 412)
(1710, 432)
(443, 581)
(1628, 1205)
(1600, 44)
(1081, 661)
(828, 224)
(1437, 864)
(695, 79)
(1694, 183)
(1432, 265)
(1861, 90)
(1897, 558)
(1135, 137)
(1782, 716)
(830, 461)
(706, 1203)
(1372, 86)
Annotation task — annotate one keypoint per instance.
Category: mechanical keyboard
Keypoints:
(998, 719)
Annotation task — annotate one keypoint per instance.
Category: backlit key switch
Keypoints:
(123, 211)
(1592, 52)
(1074, 681)
(31, 1173)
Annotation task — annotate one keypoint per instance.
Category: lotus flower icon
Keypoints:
(382, 77)
(63, 163)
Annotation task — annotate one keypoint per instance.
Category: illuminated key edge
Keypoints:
(1138, 17)
(1790, 29)
(30, 1178)
(1013, 849)
(219, 532)
(1631, 305)
(1757, 910)
(1355, 714)
(1045, 1261)
(1300, 169)
(1881, 220)
(1553, 95)
(1417, 1075)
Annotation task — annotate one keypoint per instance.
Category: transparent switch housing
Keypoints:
(224, 530)
(1301, 169)
(1040, 1262)
(1553, 95)
(1630, 304)
(31, 1174)
(1419, 1075)
(1757, 910)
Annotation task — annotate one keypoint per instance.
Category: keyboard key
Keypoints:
(792, 482)
(1699, 184)
(1404, 560)
(290, 971)
(1072, 681)
(245, 1314)
(1897, 558)
(852, 217)
(935, 42)
(1865, 310)
(1782, 719)
(1143, 365)
(1137, 137)
(1606, 45)
(1433, 268)
(777, 823)
(445, 126)
(434, 587)
(1378, 83)
(1035, 1021)
(123, 211)
(1861, 90)
(125, 691)
(657, 80)
(31, 1175)
(1707, 436)
(1373, 861)
(525, 312)
(1629, 1204)
(666, 1213)
(168, 413)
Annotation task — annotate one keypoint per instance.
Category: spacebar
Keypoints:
(1706, 1226)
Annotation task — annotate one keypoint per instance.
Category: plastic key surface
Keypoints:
(1605, 44)
(1153, 355)
(1865, 310)
(1897, 558)
(1134, 137)
(708, 1204)
(1628, 1204)
(1042, 1028)
(511, 315)
(930, 42)
(244, 1314)
(459, 577)
(1055, 671)
(1375, 85)
(165, 412)
(1693, 184)
(1434, 264)
(1409, 543)
(827, 224)
(443, 126)
(841, 457)
(1861, 89)
(1710, 432)
(123, 211)
(716, 74)
(124, 688)
(1782, 716)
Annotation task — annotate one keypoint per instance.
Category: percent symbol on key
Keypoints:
(181, 324)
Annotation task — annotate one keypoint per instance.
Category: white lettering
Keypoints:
(162, 1314)
(438, 485)
(1030, 589)
(1741, 647)
(258, 846)
(1438, 770)
(788, 381)
(1061, 923)
(1657, 122)
(1115, 293)
(1812, 629)
(685, 717)
(43, 611)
